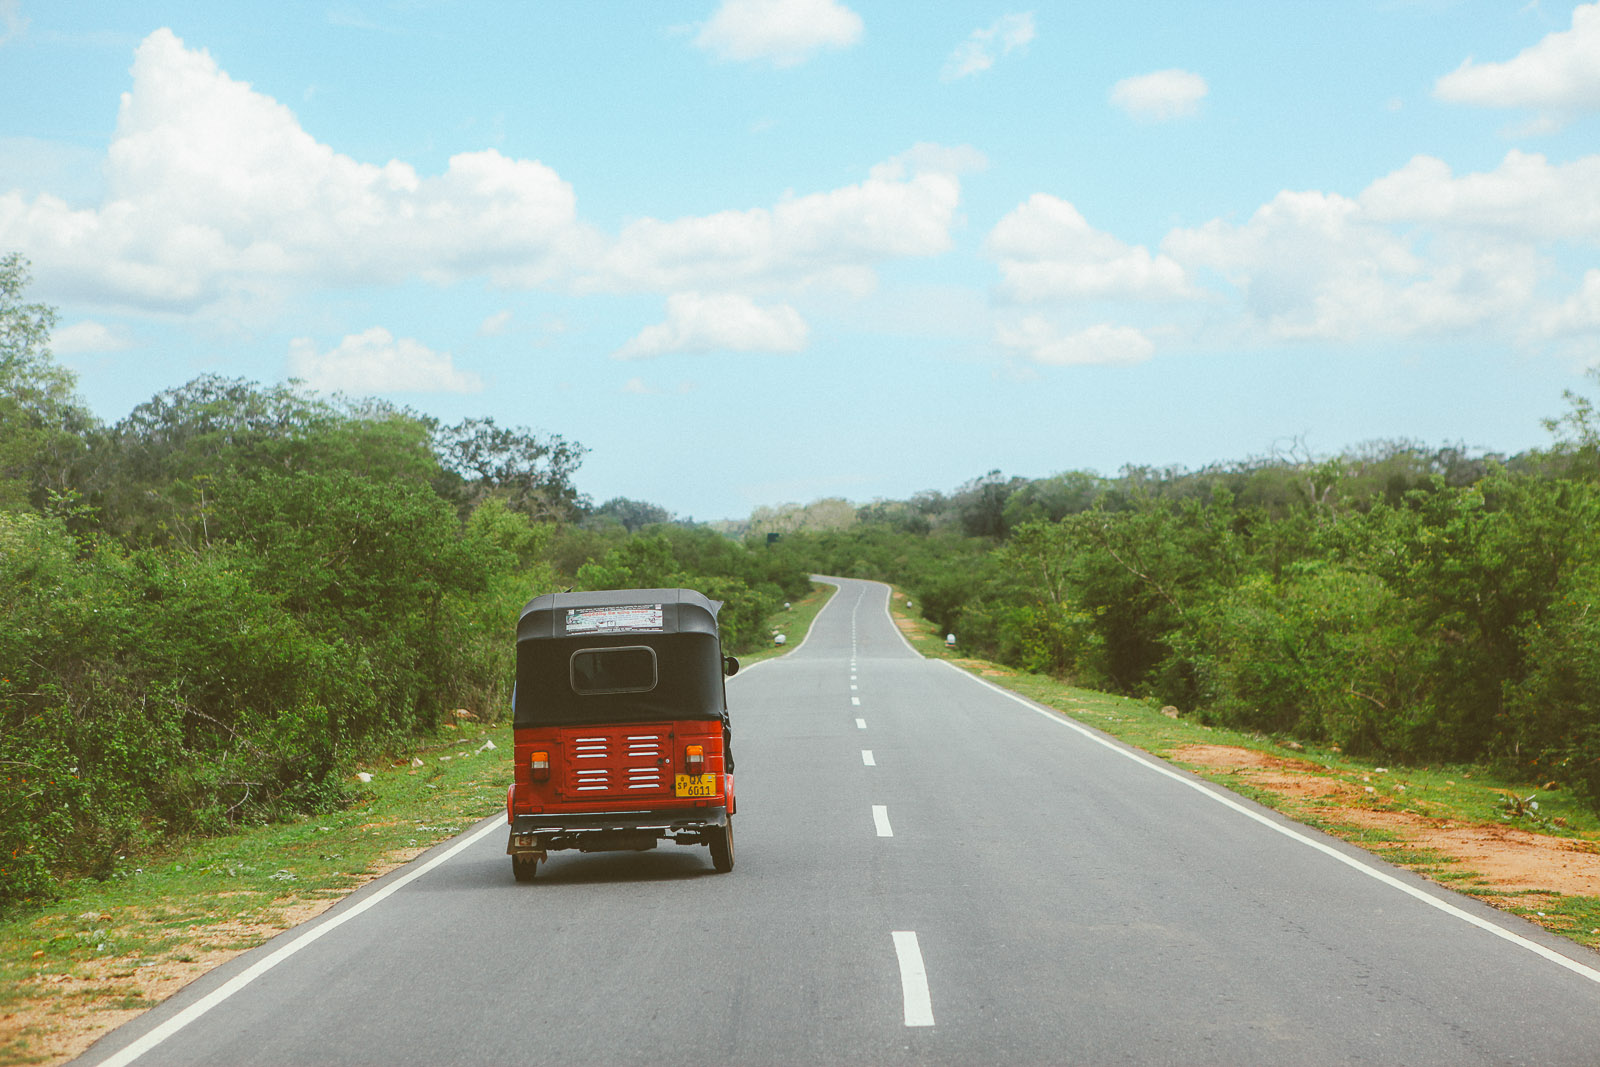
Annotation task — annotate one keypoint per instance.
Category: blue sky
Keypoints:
(763, 251)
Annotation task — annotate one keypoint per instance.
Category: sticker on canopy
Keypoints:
(623, 618)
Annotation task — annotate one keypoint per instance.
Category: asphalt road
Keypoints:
(927, 871)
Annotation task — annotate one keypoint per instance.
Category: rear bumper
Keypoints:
(610, 830)
(667, 820)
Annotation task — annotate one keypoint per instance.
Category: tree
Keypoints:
(1481, 568)
(1053, 498)
(1577, 447)
(532, 474)
(42, 423)
(896, 514)
(634, 515)
(162, 465)
(829, 513)
(1555, 711)
(367, 563)
(981, 504)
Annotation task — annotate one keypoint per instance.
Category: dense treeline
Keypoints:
(212, 608)
(1397, 601)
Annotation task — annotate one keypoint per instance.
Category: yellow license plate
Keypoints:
(695, 785)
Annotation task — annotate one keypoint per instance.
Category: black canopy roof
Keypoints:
(677, 626)
(671, 611)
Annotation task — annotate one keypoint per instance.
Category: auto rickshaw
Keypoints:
(620, 726)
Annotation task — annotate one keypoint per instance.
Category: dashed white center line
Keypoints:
(880, 819)
(913, 979)
(853, 687)
(861, 724)
(866, 758)
(855, 701)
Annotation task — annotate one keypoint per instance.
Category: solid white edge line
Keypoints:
(240, 981)
(913, 979)
(1198, 786)
(809, 630)
(837, 588)
(904, 640)
(880, 819)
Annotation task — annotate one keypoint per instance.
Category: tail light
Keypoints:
(694, 759)
(539, 766)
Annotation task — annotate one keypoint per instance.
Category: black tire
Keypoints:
(722, 847)
(524, 868)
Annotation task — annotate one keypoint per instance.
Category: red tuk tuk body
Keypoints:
(620, 726)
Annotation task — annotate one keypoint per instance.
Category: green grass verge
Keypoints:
(1444, 794)
(793, 623)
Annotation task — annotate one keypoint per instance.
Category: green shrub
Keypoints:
(1052, 639)
(1326, 653)
(1554, 713)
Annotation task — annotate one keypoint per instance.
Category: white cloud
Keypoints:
(832, 238)
(33, 163)
(1100, 345)
(1289, 251)
(373, 361)
(550, 329)
(928, 157)
(495, 324)
(1319, 265)
(1579, 314)
(214, 192)
(1560, 74)
(88, 336)
(1047, 251)
(782, 32)
(979, 51)
(710, 322)
(13, 24)
(217, 201)
(1524, 198)
(1422, 252)
(640, 387)
(1163, 95)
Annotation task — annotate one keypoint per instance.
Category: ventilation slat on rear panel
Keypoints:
(622, 761)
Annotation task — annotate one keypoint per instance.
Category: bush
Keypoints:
(1053, 639)
(1554, 712)
(1327, 653)
(370, 567)
(149, 695)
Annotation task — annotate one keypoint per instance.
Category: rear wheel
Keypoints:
(722, 847)
(523, 868)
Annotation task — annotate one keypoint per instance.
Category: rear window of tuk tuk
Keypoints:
(625, 669)
(662, 677)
